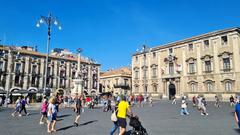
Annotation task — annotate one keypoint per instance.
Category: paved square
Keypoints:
(161, 119)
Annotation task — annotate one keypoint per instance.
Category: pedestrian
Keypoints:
(1, 101)
(237, 114)
(151, 101)
(28, 100)
(78, 108)
(115, 123)
(232, 102)
(199, 102)
(109, 106)
(44, 107)
(23, 107)
(123, 108)
(65, 99)
(194, 101)
(184, 107)
(203, 106)
(52, 115)
(217, 102)
(174, 100)
(18, 106)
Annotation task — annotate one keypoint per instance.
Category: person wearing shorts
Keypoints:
(123, 108)
(52, 115)
(43, 111)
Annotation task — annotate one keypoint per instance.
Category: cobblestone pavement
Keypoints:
(161, 119)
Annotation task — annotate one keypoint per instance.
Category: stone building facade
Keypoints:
(206, 64)
(118, 81)
(22, 69)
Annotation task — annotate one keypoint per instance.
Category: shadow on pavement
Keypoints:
(89, 122)
(237, 130)
(62, 116)
(128, 132)
(59, 119)
(65, 128)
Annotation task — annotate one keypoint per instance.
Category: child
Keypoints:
(52, 115)
(43, 111)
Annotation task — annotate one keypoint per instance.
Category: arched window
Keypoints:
(209, 86)
(228, 86)
(154, 88)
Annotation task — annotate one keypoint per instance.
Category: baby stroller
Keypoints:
(138, 129)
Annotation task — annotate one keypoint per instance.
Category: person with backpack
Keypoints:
(44, 107)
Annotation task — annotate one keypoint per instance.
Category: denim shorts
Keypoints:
(52, 117)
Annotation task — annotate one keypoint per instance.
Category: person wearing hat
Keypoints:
(123, 108)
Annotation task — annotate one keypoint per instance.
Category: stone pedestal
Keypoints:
(77, 87)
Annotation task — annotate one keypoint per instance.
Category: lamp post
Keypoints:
(49, 21)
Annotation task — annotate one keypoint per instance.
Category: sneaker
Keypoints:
(13, 115)
(76, 124)
(202, 114)
(20, 115)
(27, 114)
(41, 123)
(206, 113)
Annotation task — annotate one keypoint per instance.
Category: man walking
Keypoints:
(123, 108)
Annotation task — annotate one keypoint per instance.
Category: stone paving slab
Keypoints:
(161, 119)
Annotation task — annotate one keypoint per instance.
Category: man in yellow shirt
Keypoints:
(123, 107)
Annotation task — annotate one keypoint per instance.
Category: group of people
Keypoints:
(198, 101)
(50, 108)
(21, 106)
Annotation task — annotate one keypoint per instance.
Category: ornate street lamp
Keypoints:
(49, 21)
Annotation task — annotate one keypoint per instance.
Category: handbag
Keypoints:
(114, 116)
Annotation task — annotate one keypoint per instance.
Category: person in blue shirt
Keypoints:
(237, 114)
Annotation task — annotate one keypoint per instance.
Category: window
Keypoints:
(34, 69)
(116, 81)
(191, 68)
(209, 86)
(208, 66)
(154, 55)
(154, 72)
(190, 47)
(73, 74)
(206, 44)
(226, 64)
(136, 58)
(171, 68)
(48, 71)
(18, 67)
(144, 73)
(136, 74)
(224, 40)
(170, 50)
(1, 66)
(228, 86)
(193, 87)
(155, 88)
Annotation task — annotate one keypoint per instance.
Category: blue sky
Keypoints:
(110, 31)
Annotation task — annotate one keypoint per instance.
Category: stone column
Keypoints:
(26, 73)
(68, 67)
(98, 79)
(55, 77)
(89, 77)
(9, 72)
(42, 66)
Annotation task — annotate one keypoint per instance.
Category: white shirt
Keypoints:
(51, 107)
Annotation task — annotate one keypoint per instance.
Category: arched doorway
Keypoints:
(171, 90)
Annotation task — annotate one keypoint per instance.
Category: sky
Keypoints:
(110, 31)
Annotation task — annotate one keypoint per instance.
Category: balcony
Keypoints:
(122, 86)
(226, 69)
